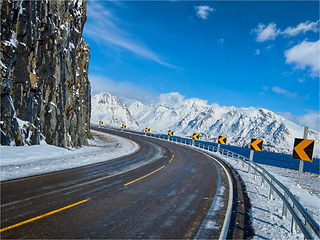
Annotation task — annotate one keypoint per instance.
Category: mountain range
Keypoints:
(191, 116)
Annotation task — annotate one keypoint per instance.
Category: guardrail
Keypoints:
(290, 202)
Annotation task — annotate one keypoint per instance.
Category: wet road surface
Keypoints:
(164, 190)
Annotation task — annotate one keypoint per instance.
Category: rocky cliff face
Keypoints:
(45, 91)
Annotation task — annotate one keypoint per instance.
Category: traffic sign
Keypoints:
(222, 139)
(124, 126)
(170, 133)
(256, 144)
(196, 136)
(303, 149)
(100, 122)
(147, 129)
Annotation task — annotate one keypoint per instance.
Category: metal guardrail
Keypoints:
(290, 202)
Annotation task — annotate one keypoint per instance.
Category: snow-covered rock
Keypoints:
(238, 124)
(109, 109)
(188, 116)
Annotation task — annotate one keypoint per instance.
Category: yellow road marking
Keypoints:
(144, 176)
(171, 158)
(44, 215)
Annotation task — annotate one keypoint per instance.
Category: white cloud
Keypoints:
(280, 90)
(270, 32)
(270, 46)
(105, 28)
(257, 52)
(265, 33)
(124, 90)
(304, 55)
(172, 100)
(301, 28)
(220, 41)
(310, 119)
(203, 11)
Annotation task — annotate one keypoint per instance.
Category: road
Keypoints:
(164, 190)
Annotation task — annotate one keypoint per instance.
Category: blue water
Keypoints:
(263, 157)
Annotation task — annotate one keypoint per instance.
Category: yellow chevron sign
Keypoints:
(222, 139)
(100, 122)
(170, 133)
(147, 129)
(124, 126)
(196, 136)
(303, 149)
(256, 144)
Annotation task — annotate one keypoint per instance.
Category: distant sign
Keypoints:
(124, 126)
(147, 129)
(222, 139)
(303, 149)
(170, 133)
(100, 122)
(196, 136)
(256, 144)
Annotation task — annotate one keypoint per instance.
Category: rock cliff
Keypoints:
(45, 91)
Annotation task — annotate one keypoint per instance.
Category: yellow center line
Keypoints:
(144, 176)
(170, 151)
(44, 215)
(171, 158)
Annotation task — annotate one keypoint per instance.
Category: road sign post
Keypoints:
(221, 140)
(305, 135)
(250, 158)
(256, 145)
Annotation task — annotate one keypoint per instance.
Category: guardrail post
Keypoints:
(238, 159)
(249, 166)
(294, 224)
(262, 178)
(271, 190)
(284, 207)
(242, 163)
(306, 223)
(255, 173)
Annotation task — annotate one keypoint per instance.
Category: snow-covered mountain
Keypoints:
(109, 109)
(238, 124)
(188, 116)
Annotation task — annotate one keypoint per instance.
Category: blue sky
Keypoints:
(242, 54)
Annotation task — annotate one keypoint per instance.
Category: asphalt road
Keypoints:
(164, 190)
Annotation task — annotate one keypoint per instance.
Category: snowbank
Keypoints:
(266, 213)
(17, 162)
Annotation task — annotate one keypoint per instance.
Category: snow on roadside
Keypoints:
(17, 162)
(267, 214)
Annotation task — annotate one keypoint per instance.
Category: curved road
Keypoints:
(164, 190)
